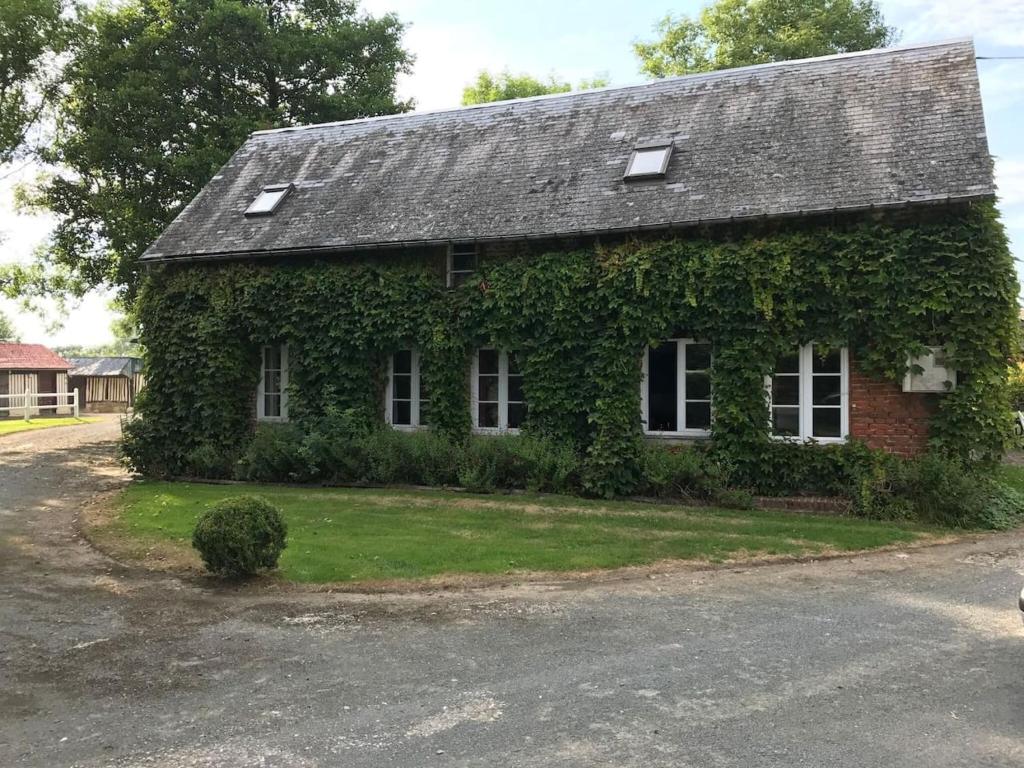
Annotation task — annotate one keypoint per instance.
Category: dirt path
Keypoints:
(907, 658)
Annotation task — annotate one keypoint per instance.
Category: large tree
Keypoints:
(7, 332)
(488, 87)
(735, 33)
(31, 33)
(159, 94)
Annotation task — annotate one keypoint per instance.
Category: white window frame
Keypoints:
(450, 270)
(681, 344)
(806, 407)
(261, 391)
(268, 200)
(414, 394)
(503, 427)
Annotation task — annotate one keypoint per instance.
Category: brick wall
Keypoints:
(884, 416)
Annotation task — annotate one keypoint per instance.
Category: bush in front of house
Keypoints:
(240, 536)
(932, 488)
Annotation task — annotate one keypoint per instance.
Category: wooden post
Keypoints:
(74, 401)
(26, 403)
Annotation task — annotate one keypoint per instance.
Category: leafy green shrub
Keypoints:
(205, 460)
(937, 490)
(551, 466)
(435, 456)
(734, 498)
(388, 457)
(240, 536)
(146, 451)
(492, 463)
(946, 492)
(678, 472)
(1016, 386)
(275, 454)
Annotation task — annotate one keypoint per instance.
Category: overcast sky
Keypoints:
(578, 39)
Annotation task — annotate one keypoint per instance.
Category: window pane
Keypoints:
(826, 390)
(516, 414)
(488, 389)
(786, 421)
(402, 387)
(513, 364)
(272, 384)
(661, 388)
(648, 161)
(401, 412)
(825, 422)
(785, 390)
(789, 363)
(403, 361)
(272, 405)
(488, 414)
(825, 360)
(515, 389)
(488, 361)
(698, 415)
(698, 386)
(272, 358)
(463, 262)
(698, 357)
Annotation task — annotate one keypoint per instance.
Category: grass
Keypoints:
(1013, 476)
(10, 426)
(353, 535)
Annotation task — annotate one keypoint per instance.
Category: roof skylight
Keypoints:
(649, 160)
(268, 200)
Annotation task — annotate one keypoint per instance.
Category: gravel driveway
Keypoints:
(909, 659)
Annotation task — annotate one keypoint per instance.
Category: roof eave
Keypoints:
(148, 258)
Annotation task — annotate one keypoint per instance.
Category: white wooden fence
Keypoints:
(28, 403)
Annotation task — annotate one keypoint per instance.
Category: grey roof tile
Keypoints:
(877, 128)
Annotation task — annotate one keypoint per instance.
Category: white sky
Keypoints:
(579, 39)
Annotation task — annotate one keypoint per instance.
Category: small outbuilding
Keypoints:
(32, 375)
(106, 384)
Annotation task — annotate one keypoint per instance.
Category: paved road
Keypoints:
(894, 659)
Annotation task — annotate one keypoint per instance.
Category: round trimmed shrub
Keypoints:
(240, 535)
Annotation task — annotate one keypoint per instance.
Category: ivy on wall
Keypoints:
(580, 320)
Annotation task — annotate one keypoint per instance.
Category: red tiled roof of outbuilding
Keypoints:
(31, 357)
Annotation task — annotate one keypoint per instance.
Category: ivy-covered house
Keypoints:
(805, 251)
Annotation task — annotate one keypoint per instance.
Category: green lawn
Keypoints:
(348, 535)
(10, 426)
(1013, 476)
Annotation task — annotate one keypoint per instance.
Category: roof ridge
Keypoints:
(696, 76)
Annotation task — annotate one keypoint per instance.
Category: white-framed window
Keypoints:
(406, 399)
(269, 200)
(810, 394)
(462, 263)
(649, 160)
(272, 393)
(676, 389)
(497, 386)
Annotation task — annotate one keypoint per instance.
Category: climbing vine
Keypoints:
(580, 320)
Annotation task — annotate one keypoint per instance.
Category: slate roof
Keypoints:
(848, 132)
(30, 357)
(105, 366)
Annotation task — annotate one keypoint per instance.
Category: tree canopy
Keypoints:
(503, 86)
(157, 96)
(736, 33)
(7, 331)
(30, 31)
